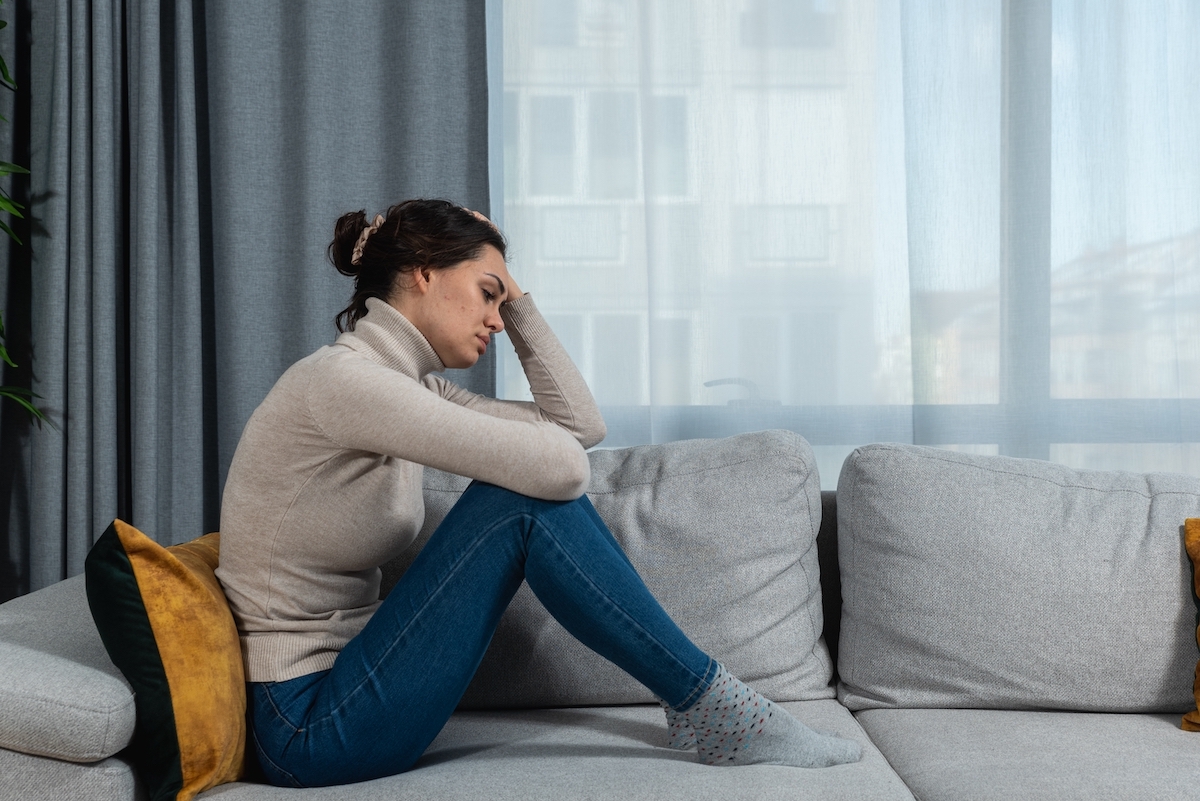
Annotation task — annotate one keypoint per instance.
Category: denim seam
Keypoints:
(614, 604)
(262, 754)
(408, 624)
(279, 712)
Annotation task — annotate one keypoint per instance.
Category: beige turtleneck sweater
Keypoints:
(325, 485)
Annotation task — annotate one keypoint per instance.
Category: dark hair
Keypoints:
(414, 234)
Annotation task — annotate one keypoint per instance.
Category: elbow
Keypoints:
(566, 470)
(577, 478)
(593, 431)
(570, 480)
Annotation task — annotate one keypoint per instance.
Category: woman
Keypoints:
(325, 487)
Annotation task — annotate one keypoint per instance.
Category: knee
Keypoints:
(492, 495)
(500, 498)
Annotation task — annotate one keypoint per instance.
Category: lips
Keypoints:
(483, 343)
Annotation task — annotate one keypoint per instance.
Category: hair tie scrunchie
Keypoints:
(356, 254)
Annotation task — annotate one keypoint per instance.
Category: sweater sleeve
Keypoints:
(561, 396)
(362, 405)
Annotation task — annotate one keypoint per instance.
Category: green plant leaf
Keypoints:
(4, 194)
(9, 167)
(22, 391)
(12, 207)
(5, 357)
(4, 227)
(8, 392)
(4, 74)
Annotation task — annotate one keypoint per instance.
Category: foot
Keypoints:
(734, 725)
(679, 733)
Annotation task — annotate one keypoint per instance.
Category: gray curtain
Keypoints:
(189, 159)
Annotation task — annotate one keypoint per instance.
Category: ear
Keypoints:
(420, 279)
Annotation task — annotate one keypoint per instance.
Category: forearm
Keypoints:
(558, 388)
(382, 412)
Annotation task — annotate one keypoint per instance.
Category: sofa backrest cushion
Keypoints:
(993, 582)
(723, 532)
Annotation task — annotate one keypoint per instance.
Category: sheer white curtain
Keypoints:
(966, 224)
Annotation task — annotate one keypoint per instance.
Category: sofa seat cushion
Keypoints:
(61, 696)
(724, 534)
(993, 582)
(599, 753)
(24, 777)
(1000, 755)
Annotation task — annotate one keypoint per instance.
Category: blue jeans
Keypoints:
(394, 686)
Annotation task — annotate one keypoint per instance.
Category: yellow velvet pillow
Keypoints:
(1191, 541)
(166, 624)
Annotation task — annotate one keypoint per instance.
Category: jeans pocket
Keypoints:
(273, 773)
(277, 708)
(279, 713)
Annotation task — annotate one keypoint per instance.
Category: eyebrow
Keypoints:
(503, 291)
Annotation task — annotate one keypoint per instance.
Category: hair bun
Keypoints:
(346, 233)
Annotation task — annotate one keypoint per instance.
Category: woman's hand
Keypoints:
(514, 291)
(510, 283)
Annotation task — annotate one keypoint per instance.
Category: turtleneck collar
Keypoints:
(386, 336)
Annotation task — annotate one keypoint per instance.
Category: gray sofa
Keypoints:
(1002, 629)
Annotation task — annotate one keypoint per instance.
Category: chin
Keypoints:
(465, 362)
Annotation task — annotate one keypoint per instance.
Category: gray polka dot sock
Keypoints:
(734, 725)
(679, 734)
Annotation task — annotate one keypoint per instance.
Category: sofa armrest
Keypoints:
(61, 697)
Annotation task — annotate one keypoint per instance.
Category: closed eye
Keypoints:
(499, 282)
(488, 296)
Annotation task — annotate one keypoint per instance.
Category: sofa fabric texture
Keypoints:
(600, 754)
(24, 777)
(61, 696)
(724, 534)
(990, 582)
(1001, 755)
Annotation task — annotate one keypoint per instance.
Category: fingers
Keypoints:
(481, 217)
(514, 291)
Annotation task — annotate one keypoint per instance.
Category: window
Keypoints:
(612, 144)
(580, 233)
(789, 23)
(970, 225)
(556, 23)
(552, 140)
(786, 233)
(667, 162)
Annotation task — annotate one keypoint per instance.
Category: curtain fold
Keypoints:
(78, 270)
(189, 159)
(168, 487)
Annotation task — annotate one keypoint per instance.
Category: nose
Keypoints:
(494, 322)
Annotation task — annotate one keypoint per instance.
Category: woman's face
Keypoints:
(457, 308)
